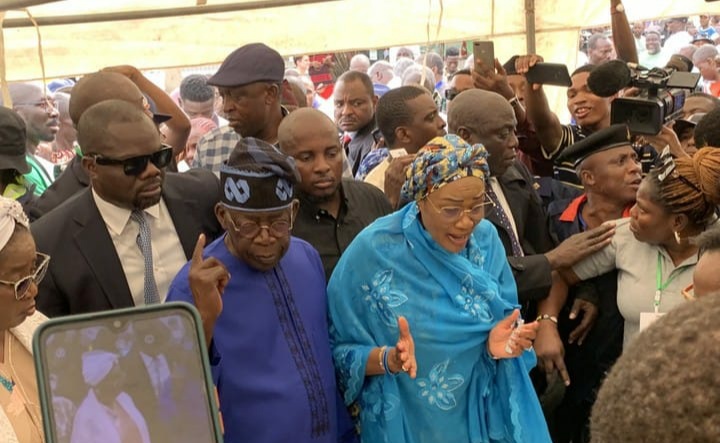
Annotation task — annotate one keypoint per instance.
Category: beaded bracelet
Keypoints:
(382, 359)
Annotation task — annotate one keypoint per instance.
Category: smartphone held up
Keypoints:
(137, 375)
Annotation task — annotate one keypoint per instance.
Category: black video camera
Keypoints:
(661, 99)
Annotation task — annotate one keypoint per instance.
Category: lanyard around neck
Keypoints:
(659, 285)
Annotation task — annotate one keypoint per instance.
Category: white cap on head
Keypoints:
(11, 213)
(96, 365)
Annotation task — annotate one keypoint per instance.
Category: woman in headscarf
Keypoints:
(438, 267)
(21, 269)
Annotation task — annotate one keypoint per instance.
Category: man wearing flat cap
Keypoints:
(250, 83)
(270, 349)
(609, 169)
(12, 158)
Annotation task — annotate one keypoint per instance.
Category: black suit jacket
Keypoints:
(85, 273)
(360, 146)
(532, 272)
(73, 180)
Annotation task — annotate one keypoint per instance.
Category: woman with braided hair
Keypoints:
(437, 268)
(652, 250)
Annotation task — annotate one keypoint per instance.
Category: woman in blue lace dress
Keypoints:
(436, 268)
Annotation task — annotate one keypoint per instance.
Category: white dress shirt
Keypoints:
(167, 251)
(158, 370)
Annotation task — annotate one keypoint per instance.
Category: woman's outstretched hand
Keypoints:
(502, 343)
(402, 357)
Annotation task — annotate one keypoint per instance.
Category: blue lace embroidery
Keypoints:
(348, 366)
(381, 298)
(438, 387)
(377, 406)
(475, 303)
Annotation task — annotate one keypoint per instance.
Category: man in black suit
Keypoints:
(355, 100)
(120, 242)
(486, 117)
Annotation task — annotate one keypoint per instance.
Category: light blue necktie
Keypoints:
(143, 242)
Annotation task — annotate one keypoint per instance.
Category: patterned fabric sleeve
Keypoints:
(374, 158)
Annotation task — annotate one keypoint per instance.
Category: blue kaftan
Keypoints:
(275, 376)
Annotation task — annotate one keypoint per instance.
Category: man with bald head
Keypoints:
(107, 85)
(381, 72)
(332, 210)
(41, 121)
(120, 242)
(486, 117)
(360, 63)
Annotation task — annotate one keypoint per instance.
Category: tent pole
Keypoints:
(155, 13)
(20, 4)
(530, 26)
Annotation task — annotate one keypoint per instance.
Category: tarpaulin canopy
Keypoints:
(184, 34)
(301, 27)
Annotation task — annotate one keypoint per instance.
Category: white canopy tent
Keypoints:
(185, 34)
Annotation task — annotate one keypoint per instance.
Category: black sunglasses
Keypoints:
(137, 165)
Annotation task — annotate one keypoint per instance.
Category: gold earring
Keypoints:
(677, 237)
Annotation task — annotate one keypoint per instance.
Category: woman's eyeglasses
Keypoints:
(135, 166)
(454, 213)
(251, 229)
(22, 286)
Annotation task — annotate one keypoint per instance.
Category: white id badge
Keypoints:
(395, 153)
(648, 318)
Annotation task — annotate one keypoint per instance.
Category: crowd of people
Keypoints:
(657, 41)
(415, 251)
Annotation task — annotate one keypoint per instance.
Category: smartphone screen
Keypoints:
(136, 375)
(549, 74)
(484, 51)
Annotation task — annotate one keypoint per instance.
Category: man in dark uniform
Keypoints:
(608, 168)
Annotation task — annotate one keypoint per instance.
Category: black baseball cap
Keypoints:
(12, 141)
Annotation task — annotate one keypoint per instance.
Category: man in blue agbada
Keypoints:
(438, 267)
(268, 334)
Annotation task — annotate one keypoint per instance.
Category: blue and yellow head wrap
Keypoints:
(441, 161)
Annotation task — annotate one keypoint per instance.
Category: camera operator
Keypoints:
(590, 112)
